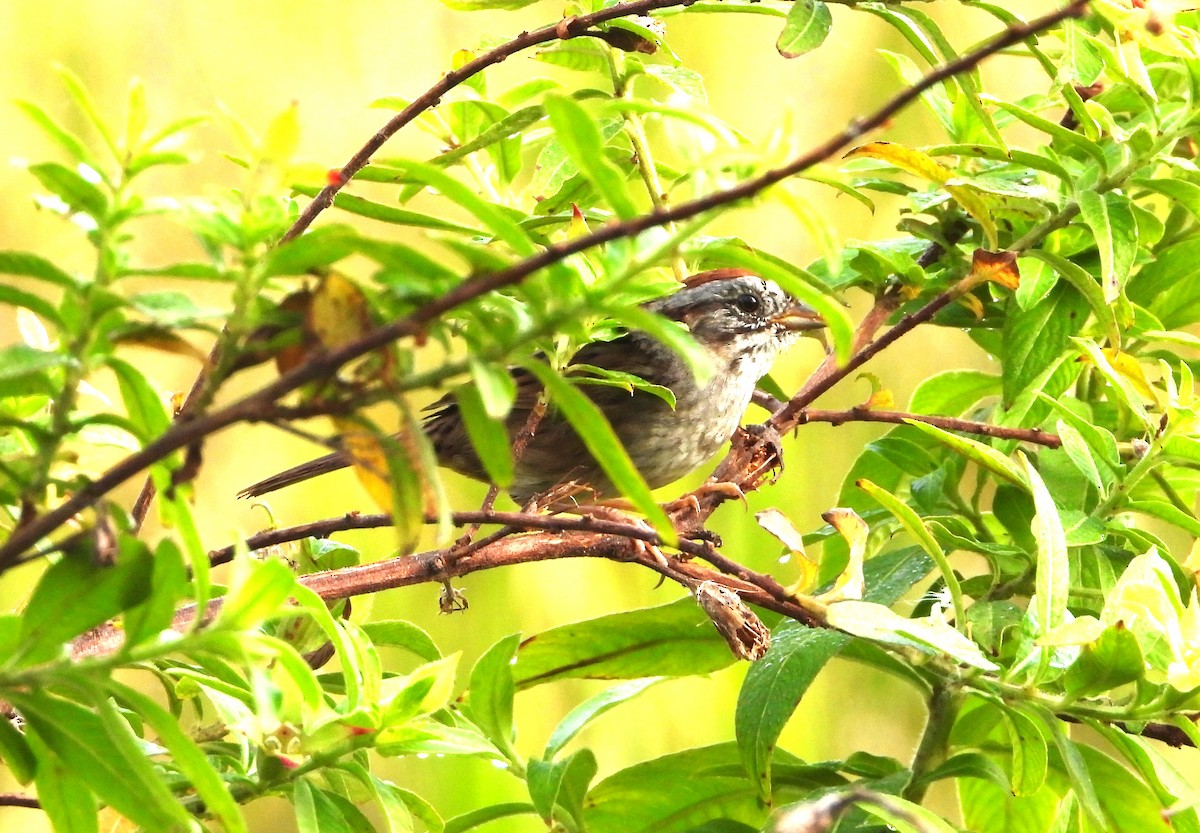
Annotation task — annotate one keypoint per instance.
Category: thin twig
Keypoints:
(967, 426)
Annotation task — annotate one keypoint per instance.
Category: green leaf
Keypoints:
(880, 623)
(1030, 754)
(772, 690)
(497, 220)
(401, 634)
(186, 757)
(1112, 660)
(170, 583)
(1110, 217)
(699, 360)
(29, 265)
(64, 792)
(1053, 579)
(987, 808)
(672, 640)
(916, 527)
(315, 249)
(562, 784)
(676, 793)
(489, 702)
(1126, 801)
(590, 709)
(1076, 449)
(64, 138)
(1076, 768)
(1125, 392)
(142, 402)
(15, 297)
(259, 589)
(76, 594)
(105, 748)
(489, 436)
(16, 753)
(1035, 337)
(579, 136)
(77, 193)
(975, 451)
(1068, 139)
(808, 23)
(952, 392)
(602, 443)
(387, 213)
(480, 817)
(23, 369)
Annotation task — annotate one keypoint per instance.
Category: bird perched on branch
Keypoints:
(742, 320)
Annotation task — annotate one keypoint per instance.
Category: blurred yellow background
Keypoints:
(334, 59)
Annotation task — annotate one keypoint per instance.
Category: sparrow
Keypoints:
(743, 321)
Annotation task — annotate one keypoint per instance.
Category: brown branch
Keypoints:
(438, 566)
(252, 406)
(967, 426)
(16, 800)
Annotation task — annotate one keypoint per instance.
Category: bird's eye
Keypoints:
(748, 303)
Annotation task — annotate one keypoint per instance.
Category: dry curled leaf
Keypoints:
(743, 631)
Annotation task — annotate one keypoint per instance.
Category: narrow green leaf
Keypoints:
(83, 101)
(1076, 449)
(76, 594)
(387, 213)
(503, 226)
(590, 709)
(16, 297)
(603, 445)
(488, 436)
(952, 392)
(916, 527)
(976, 452)
(186, 756)
(480, 817)
(1110, 217)
(807, 25)
(73, 189)
(1067, 139)
(489, 702)
(579, 136)
(562, 784)
(1053, 580)
(1076, 768)
(670, 640)
(64, 792)
(401, 634)
(30, 265)
(880, 623)
(142, 402)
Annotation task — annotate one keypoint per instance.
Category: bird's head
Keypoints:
(738, 315)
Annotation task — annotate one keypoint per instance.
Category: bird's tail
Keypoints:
(321, 465)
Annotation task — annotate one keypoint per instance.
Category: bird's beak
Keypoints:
(798, 318)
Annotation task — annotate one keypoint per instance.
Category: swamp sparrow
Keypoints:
(744, 321)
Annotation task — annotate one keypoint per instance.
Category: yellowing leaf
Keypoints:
(923, 165)
(282, 139)
(849, 585)
(369, 460)
(1128, 366)
(338, 313)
